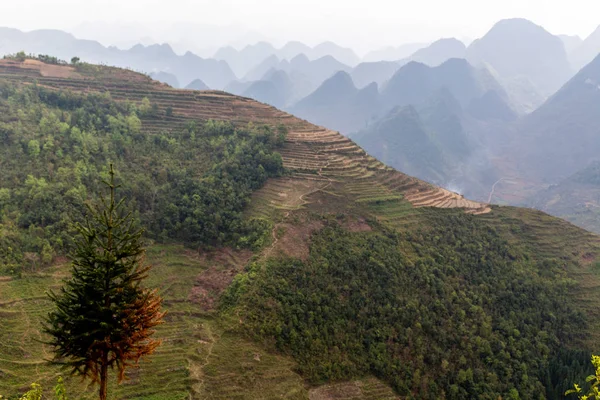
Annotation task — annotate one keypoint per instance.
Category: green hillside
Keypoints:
(293, 264)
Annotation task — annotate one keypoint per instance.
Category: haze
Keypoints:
(362, 25)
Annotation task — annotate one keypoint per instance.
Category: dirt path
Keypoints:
(197, 370)
(489, 201)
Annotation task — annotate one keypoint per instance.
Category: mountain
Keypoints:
(339, 105)
(237, 87)
(517, 48)
(378, 72)
(575, 198)
(292, 49)
(402, 141)
(341, 54)
(317, 70)
(197, 84)
(292, 264)
(587, 51)
(560, 138)
(571, 43)
(244, 60)
(154, 58)
(431, 140)
(253, 61)
(302, 77)
(393, 53)
(414, 83)
(439, 52)
(276, 89)
(261, 69)
(165, 77)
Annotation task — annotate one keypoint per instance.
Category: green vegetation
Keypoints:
(594, 382)
(190, 185)
(104, 318)
(449, 311)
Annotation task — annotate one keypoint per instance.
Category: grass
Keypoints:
(198, 357)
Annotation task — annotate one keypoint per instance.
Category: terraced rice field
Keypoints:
(315, 156)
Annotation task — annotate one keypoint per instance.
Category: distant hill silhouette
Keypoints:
(439, 52)
(575, 198)
(197, 84)
(402, 139)
(244, 60)
(275, 89)
(306, 75)
(339, 105)
(561, 137)
(154, 58)
(587, 51)
(251, 60)
(517, 48)
(333, 104)
(434, 140)
(415, 83)
(341, 54)
(263, 67)
(571, 43)
(394, 53)
(378, 72)
(165, 77)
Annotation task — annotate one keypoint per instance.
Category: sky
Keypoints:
(362, 25)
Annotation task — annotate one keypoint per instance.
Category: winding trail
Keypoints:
(489, 201)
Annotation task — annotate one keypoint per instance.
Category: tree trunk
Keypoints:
(104, 376)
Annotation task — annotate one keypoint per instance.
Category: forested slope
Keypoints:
(342, 268)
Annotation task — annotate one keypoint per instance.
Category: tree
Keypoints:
(103, 317)
(594, 381)
(75, 60)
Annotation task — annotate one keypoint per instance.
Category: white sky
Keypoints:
(363, 25)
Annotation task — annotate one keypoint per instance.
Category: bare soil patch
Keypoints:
(51, 70)
(357, 225)
(225, 264)
(295, 241)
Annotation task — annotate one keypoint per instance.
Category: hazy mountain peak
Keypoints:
(587, 51)
(517, 47)
(571, 42)
(300, 59)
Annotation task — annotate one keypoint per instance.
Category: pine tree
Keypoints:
(103, 317)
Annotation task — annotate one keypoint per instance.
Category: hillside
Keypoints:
(551, 149)
(575, 198)
(364, 279)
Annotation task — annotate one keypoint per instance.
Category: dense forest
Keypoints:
(450, 311)
(189, 185)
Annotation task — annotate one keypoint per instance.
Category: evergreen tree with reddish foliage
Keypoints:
(103, 317)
